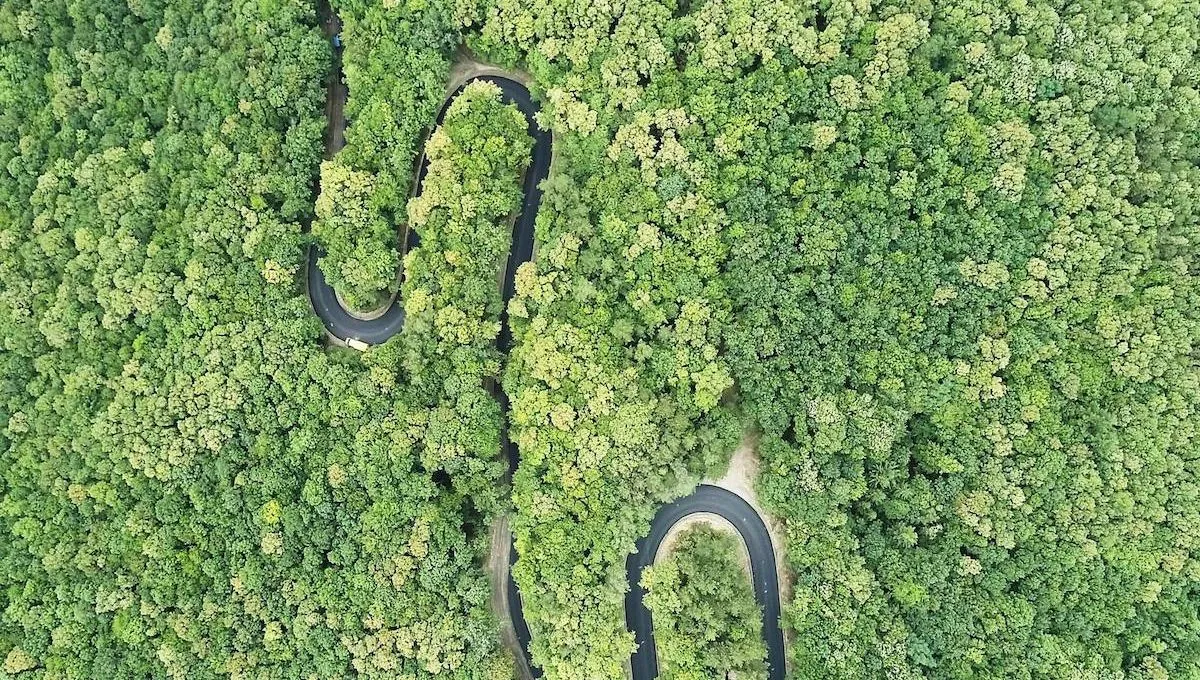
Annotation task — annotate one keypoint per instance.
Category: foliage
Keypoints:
(948, 253)
(941, 254)
(706, 622)
(469, 197)
(613, 377)
(451, 296)
(190, 485)
(361, 246)
(964, 308)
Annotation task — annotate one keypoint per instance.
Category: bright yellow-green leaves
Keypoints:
(192, 484)
(464, 216)
(361, 256)
(946, 253)
(941, 254)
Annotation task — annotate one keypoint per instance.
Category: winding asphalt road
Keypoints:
(706, 499)
(343, 325)
(734, 509)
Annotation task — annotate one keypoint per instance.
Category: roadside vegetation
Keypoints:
(463, 215)
(941, 255)
(966, 309)
(360, 242)
(395, 65)
(706, 621)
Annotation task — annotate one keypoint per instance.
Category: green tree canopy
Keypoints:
(706, 621)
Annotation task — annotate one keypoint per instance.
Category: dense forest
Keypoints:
(938, 260)
(947, 254)
(396, 68)
(193, 486)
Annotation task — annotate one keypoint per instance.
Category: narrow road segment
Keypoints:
(344, 326)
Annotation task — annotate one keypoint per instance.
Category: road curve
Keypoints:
(709, 499)
(343, 325)
(374, 331)
(739, 513)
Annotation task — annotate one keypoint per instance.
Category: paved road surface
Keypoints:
(375, 331)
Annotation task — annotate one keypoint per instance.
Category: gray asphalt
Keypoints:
(708, 499)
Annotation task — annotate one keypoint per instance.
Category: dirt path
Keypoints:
(335, 88)
(358, 331)
(740, 478)
(705, 519)
(498, 560)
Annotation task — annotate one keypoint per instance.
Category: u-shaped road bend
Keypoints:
(707, 499)
(374, 331)
(735, 510)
